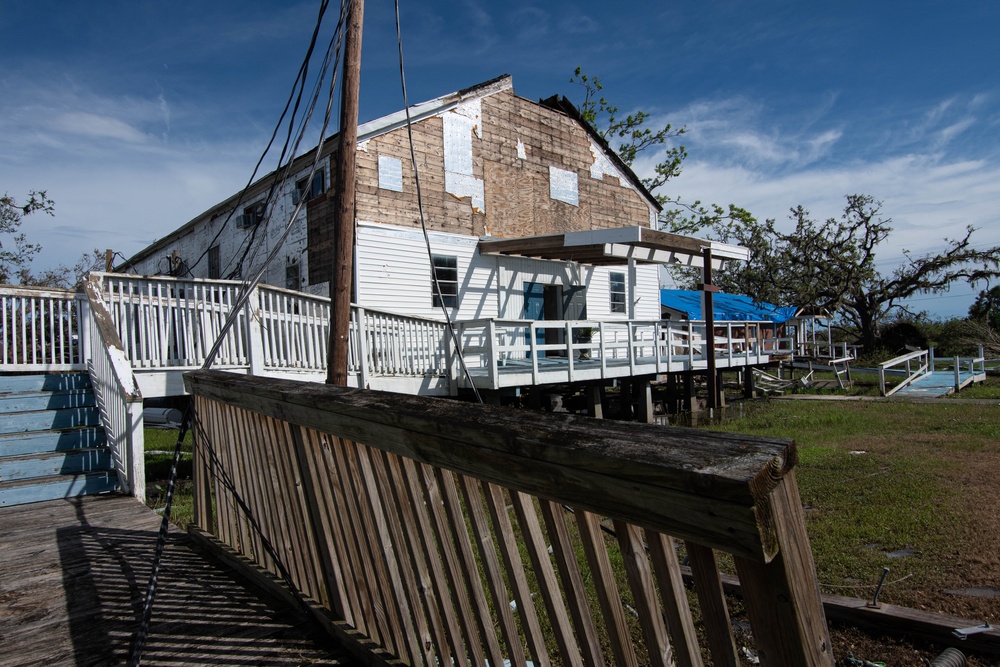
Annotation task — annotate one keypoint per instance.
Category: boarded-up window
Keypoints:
(390, 173)
(214, 262)
(563, 186)
(618, 293)
(445, 269)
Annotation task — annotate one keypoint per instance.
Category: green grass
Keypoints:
(876, 477)
(159, 445)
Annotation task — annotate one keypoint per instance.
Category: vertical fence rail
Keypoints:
(457, 534)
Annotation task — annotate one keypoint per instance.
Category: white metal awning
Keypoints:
(617, 246)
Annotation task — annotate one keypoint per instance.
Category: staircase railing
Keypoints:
(117, 393)
(441, 532)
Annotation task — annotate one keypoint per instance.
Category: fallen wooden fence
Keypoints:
(441, 532)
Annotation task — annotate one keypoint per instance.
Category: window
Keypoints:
(446, 272)
(292, 276)
(214, 263)
(252, 215)
(305, 191)
(618, 295)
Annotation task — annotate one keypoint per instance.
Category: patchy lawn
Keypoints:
(909, 486)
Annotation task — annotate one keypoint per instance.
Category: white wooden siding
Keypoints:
(394, 274)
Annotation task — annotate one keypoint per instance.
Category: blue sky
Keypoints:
(137, 116)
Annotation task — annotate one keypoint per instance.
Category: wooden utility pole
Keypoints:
(341, 281)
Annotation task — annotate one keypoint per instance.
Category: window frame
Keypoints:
(617, 305)
(305, 191)
(441, 266)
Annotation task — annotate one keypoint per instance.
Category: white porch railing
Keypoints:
(166, 325)
(117, 393)
(586, 350)
(40, 330)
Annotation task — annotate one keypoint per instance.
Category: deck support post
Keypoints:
(644, 396)
(595, 400)
(691, 393)
(720, 398)
(748, 384)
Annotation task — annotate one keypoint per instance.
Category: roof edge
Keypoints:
(560, 103)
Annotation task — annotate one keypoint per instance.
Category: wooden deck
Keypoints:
(73, 574)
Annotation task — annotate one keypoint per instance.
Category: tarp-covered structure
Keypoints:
(687, 304)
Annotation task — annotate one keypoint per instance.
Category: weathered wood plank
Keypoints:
(91, 558)
(717, 483)
(640, 580)
(711, 599)
(608, 595)
(572, 583)
(782, 596)
(675, 602)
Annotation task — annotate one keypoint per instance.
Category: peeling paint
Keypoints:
(363, 145)
(602, 165)
(458, 177)
(473, 110)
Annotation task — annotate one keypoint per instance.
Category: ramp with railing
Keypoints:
(437, 532)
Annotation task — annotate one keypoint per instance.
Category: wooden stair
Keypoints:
(51, 442)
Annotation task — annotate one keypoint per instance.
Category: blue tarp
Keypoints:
(727, 306)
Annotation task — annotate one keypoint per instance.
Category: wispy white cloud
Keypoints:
(93, 125)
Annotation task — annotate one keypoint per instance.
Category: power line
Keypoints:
(423, 222)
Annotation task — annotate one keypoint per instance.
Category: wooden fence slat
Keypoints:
(356, 588)
(433, 613)
(640, 580)
(305, 541)
(467, 562)
(516, 577)
(608, 596)
(332, 584)
(411, 576)
(712, 601)
(572, 583)
(492, 568)
(373, 609)
(200, 476)
(452, 569)
(545, 576)
(252, 488)
(674, 596)
(284, 504)
(414, 498)
(399, 580)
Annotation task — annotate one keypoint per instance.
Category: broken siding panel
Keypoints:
(460, 179)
